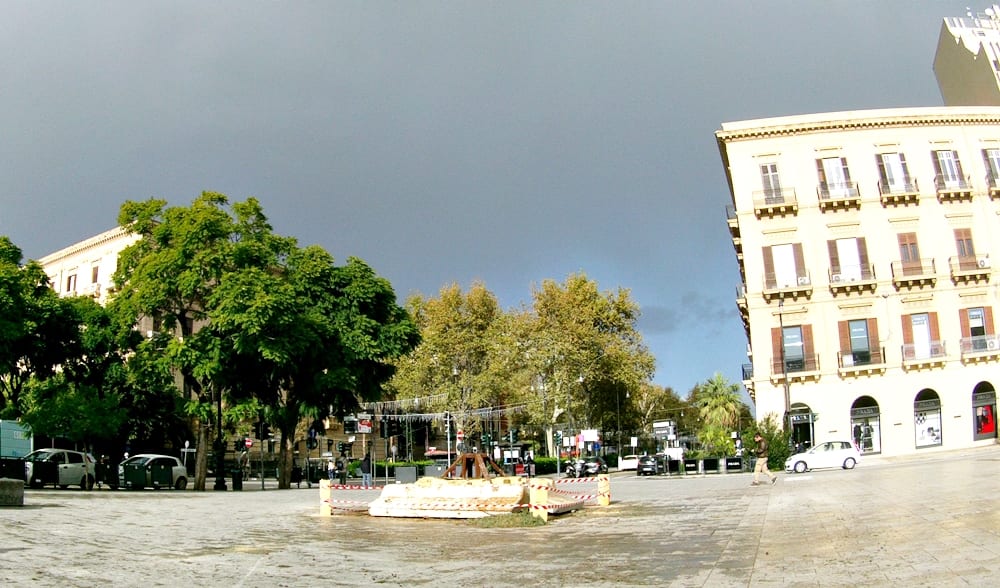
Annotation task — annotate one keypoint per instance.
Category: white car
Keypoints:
(60, 467)
(831, 454)
(160, 471)
(628, 462)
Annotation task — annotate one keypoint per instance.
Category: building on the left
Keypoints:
(86, 268)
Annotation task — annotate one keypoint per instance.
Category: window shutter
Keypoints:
(800, 264)
(873, 344)
(776, 344)
(988, 319)
(866, 270)
(821, 172)
(906, 171)
(937, 164)
(844, 331)
(958, 166)
(907, 329)
(879, 159)
(847, 171)
(770, 281)
(963, 322)
(831, 246)
(933, 320)
(807, 348)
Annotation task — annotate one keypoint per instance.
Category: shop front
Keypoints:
(866, 429)
(927, 419)
(984, 409)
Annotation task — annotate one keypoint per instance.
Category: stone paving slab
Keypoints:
(930, 520)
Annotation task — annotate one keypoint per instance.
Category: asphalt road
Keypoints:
(930, 520)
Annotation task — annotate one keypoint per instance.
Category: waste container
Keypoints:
(162, 475)
(135, 476)
(237, 480)
(12, 467)
(711, 464)
(297, 475)
(691, 466)
(406, 474)
(734, 464)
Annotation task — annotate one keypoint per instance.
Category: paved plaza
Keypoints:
(928, 520)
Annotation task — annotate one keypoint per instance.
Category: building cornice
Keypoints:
(857, 120)
(109, 236)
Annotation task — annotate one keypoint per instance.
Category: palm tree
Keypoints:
(719, 403)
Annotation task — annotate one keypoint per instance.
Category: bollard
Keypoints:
(538, 498)
(603, 490)
(325, 494)
(11, 492)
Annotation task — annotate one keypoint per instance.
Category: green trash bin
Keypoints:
(135, 476)
(237, 480)
(162, 475)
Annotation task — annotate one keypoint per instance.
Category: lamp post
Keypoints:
(784, 366)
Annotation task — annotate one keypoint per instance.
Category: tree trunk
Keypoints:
(201, 455)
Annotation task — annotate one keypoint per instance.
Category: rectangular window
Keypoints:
(860, 349)
(834, 177)
(94, 273)
(848, 260)
(948, 169)
(977, 328)
(791, 341)
(909, 253)
(966, 253)
(893, 172)
(772, 186)
(71, 283)
(784, 266)
(991, 158)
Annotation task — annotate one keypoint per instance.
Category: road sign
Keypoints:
(249, 442)
(460, 435)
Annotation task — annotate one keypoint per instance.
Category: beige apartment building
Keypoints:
(85, 268)
(967, 61)
(866, 243)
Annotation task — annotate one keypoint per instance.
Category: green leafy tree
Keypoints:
(35, 325)
(719, 403)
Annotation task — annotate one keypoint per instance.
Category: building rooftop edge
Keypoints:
(94, 241)
(848, 119)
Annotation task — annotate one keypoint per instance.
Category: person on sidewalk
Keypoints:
(761, 466)
(366, 471)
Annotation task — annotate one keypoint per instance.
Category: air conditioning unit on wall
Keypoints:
(803, 280)
(983, 262)
(836, 278)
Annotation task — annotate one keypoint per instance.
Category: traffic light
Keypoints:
(558, 438)
(383, 428)
(350, 425)
(265, 430)
(237, 444)
(513, 436)
(312, 443)
(340, 446)
(329, 444)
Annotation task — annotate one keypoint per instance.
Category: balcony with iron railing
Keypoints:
(914, 274)
(838, 195)
(994, 183)
(856, 363)
(900, 193)
(952, 189)
(979, 348)
(970, 268)
(771, 203)
(852, 278)
(795, 369)
(747, 372)
(930, 354)
(800, 285)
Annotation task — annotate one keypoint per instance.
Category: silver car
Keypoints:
(161, 471)
(59, 467)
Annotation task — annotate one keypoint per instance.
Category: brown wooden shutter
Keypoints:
(821, 172)
(831, 245)
(873, 344)
(808, 350)
(988, 319)
(937, 164)
(769, 278)
(776, 344)
(907, 329)
(963, 322)
(881, 170)
(800, 263)
(847, 170)
(933, 320)
(866, 271)
(844, 331)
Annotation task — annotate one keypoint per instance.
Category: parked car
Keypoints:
(59, 467)
(161, 471)
(628, 462)
(647, 466)
(831, 454)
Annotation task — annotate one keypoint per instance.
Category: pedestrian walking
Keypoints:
(366, 471)
(761, 466)
(331, 470)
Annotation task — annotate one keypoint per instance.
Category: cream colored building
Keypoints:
(85, 268)
(967, 61)
(866, 243)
